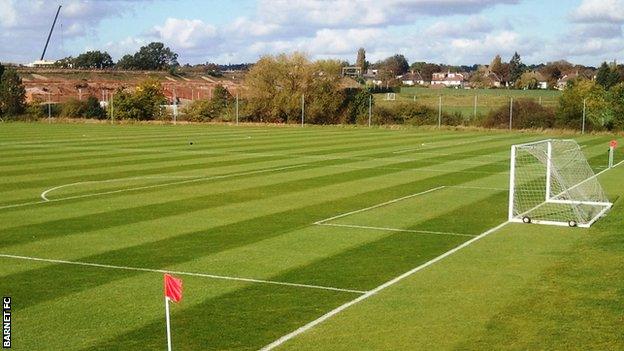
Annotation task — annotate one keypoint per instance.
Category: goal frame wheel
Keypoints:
(526, 220)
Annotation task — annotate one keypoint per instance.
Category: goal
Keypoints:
(390, 96)
(551, 182)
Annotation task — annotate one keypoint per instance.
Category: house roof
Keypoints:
(414, 76)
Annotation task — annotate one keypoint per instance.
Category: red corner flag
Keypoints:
(173, 288)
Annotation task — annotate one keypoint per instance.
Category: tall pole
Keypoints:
(302, 108)
(370, 109)
(475, 107)
(584, 114)
(510, 112)
(50, 34)
(175, 107)
(440, 112)
(236, 108)
(49, 108)
(168, 324)
(112, 108)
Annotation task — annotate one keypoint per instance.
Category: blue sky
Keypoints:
(444, 31)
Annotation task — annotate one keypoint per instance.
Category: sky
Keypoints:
(442, 31)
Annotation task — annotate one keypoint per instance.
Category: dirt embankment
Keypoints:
(59, 85)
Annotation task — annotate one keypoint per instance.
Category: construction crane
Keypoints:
(41, 61)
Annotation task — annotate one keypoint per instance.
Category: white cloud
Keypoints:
(185, 33)
(593, 11)
(475, 25)
(8, 14)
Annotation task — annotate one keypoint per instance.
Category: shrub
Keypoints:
(73, 108)
(93, 109)
(527, 114)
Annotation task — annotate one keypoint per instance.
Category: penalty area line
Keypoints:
(394, 229)
(379, 205)
(376, 290)
(203, 275)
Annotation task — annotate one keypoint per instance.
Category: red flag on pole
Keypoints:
(173, 288)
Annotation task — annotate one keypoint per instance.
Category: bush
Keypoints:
(73, 108)
(93, 109)
(38, 110)
(207, 110)
(527, 114)
(412, 114)
(143, 104)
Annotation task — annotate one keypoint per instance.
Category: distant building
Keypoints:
(352, 71)
(563, 81)
(42, 63)
(371, 77)
(448, 79)
(412, 78)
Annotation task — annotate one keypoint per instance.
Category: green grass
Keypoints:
(242, 202)
(463, 100)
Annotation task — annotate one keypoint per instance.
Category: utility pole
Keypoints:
(236, 108)
(49, 108)
(302, 108)
(440, 112)
(112, 108)
(584, 114)
(510, 112)
(370, 109)
(475, 108)
(175, 107)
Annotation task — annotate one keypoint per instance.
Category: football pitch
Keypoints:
(294, 238)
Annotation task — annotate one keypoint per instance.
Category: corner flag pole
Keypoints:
(168, 324)
(173, 292)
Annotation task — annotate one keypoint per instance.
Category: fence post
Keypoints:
(440, 112)
(510, 112)
(475, 108)
(370, 108)
(584, 114)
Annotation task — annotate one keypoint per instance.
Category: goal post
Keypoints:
(551, 182)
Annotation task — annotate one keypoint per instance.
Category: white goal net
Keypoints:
(551, 182)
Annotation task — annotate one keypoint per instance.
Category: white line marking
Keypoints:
(152, 186)
(378, 205)
(249, 280)
(375, 291)
(476, 187)
(394, 229)
(45, 193)
(389, 283)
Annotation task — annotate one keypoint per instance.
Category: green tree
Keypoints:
(570, 112)
(516, 68)
(154, 56)
(616, 103)
(497, 65)
(393, 66)
(277, 83)
(143, 104)
(93, 59)
(206, 110)
(361, 59)
(12, 93)
(126, 62)
(608, 75)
